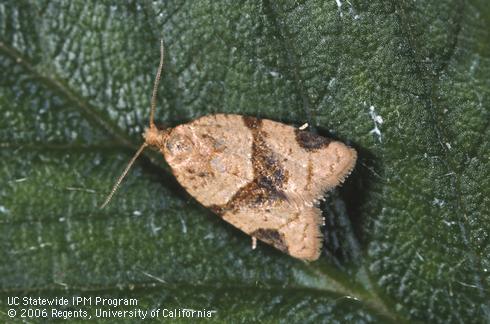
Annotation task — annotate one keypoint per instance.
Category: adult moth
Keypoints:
(261, 176)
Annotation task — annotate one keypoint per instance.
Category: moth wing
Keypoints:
(320, 163)
(211, 157)
(289, 229)
(261, 176)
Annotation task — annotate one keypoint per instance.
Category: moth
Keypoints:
(263, 177)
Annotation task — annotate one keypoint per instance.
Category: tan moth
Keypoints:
(263, 177)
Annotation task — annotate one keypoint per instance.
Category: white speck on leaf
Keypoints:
(449, 223)
(33, 248)
(154, 229)
(377, 120)
(474, 65)
(184, 226)
(153, 277)
(352, 11)
(65, 285)
(274, 74)
(71, 56)
(419, 256)
(339, 5)
(80, 189)
(467, 285)
(438, 202)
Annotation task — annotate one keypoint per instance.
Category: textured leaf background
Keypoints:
(407, 83)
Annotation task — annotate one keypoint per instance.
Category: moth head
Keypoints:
(152, 135)
(155, 137)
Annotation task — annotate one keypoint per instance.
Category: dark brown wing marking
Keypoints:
(270, 176)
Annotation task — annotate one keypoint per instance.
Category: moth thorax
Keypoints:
(179, 146)
(155, 137)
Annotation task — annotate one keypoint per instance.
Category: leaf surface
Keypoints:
(406, 83)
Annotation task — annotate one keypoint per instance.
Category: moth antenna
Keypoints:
(155, 86)
(125, 172)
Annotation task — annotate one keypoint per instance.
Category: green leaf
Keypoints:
(406, 83)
